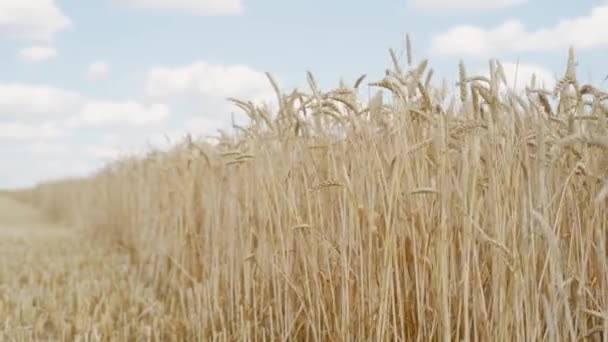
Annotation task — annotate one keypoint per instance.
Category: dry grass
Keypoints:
(416, 218)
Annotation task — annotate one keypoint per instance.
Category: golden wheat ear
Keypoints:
(417, 215)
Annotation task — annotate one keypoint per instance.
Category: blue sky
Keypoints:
(83, 81)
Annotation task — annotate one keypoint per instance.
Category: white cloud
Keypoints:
(41, 146)
(105, 113)
(204, 126)
(200, 7)
(27, 102)
(19, 131)
(39, 167)
(162, 140)
(31, 19)
(477, 42)
(37, 53)
(584, 32)
(39, 131)
(102, 152)
(98, 70)
(23, 100)
(468, 5)
(215, 80)
(68, 168)
(41, 124)
(206, 87)
(519, 75)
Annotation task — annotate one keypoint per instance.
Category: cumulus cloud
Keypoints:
(200, 7)
(105, 113)
(97, 130)
(32, 19)
(40, 131)
(41, 146)
(37, 54)
(27, 102)
(30, 166)
(519, 75)
(583, 33)
(98, 70)
(205, 126)
(18, 100)
(468, 5)
(43, 167)
(202, 78)
(206, 87)
(20, 131)
(477, 42)
(102, 152)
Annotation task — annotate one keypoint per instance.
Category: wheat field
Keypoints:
(408, 215)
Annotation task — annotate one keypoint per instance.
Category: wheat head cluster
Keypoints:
(405, 214)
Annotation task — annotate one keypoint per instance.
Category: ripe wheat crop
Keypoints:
(411, 216)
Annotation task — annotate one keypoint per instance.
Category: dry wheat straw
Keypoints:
(416, 216)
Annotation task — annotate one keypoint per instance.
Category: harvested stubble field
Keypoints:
(411, 216)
